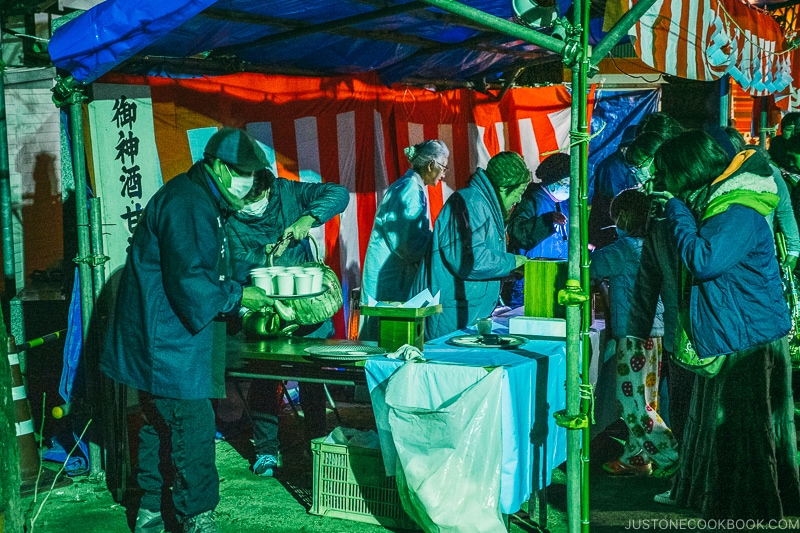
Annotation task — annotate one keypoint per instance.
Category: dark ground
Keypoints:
(281, 504)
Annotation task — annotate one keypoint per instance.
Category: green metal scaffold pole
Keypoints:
(67, 92)
(575, 296)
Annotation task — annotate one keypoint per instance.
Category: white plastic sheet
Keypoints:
(449, 449)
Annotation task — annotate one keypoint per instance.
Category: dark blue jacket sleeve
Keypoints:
(722, 241)
(527, 227)
(190, 245)
(323, 201)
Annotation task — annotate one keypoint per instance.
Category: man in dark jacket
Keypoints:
(166, 338)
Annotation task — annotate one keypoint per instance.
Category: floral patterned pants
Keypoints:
(638, 371)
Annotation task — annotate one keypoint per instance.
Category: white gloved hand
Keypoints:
(406, 353)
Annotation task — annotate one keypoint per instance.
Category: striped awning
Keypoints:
(706, 39)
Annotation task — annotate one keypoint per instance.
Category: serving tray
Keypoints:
(343, 352)
(477, 341)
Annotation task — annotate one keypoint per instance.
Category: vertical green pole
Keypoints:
(9, 274)
(84, 271)
(98, 270)
(81, 207)
(578, 310)
(573, 314)
(586, 307)
(582, 22)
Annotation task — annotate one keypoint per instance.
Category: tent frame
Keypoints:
(576, 54)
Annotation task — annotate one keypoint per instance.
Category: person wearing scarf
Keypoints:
(467, 256)
(739, 456)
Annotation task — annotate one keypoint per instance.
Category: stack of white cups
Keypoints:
(288, 281)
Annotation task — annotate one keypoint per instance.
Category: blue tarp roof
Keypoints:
(401, 40)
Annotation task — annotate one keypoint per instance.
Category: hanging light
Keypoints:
(536, 13)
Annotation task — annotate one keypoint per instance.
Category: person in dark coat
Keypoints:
(167, 336)
(280, 210)
(539, 225)
(612, 175)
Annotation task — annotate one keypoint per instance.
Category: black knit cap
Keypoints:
(507, 169)
(236, 148)
(554, 168)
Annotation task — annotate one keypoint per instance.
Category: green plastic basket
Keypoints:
(351, 483)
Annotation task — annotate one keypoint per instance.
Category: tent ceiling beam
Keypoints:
(568, 50)
(332, 26)
(439, 16)
(478, 42)
(211, 67)
(344, 27)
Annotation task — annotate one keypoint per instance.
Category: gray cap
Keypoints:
(236, 148)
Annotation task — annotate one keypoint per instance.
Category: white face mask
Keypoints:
(240, 185)
(559, 191)
(257, 208)
(641, 174)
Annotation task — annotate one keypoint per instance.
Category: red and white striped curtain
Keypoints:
(706, 39)
(352, 131)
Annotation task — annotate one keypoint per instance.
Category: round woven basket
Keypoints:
(316, 309)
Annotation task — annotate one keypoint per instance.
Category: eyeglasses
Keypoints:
(444, 167)
(644, 164)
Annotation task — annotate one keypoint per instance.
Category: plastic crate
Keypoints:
(351, 483)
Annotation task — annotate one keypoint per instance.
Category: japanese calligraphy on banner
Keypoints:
(707, 39)
(126, 167)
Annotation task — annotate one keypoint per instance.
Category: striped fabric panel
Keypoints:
(354, 133)
(706, 39)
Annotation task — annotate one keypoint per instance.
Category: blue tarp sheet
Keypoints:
(423, 43)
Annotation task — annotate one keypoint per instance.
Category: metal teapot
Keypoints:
(260, 324)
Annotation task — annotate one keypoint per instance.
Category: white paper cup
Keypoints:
(264, 281)
(303, 283)
(484, 326)
(316, 282)
(285, 284)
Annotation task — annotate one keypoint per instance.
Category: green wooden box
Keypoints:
(401, 325)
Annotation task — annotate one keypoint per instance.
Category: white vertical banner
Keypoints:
(560, 120)
(125, 160)
(478, 153)
(530, 149)
(309, 167)
(350, 259)
(262, 133)
(381, 176)
(449, 180)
